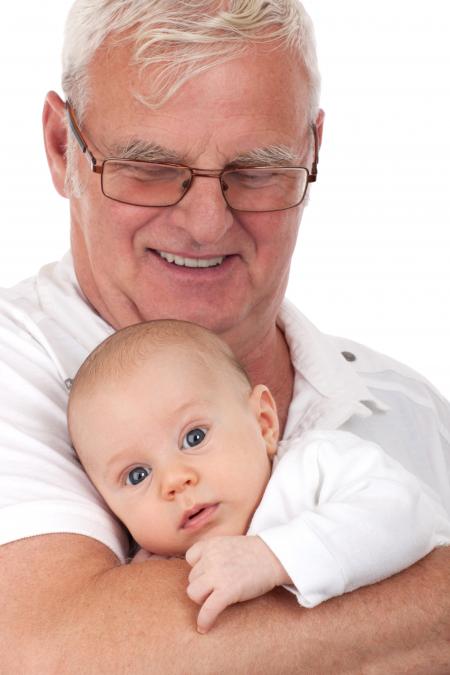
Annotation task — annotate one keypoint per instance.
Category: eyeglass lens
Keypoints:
(148, 184)
(268, 189)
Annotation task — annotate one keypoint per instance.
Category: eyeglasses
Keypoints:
(142, 183)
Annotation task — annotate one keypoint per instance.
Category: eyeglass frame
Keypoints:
(97, 167)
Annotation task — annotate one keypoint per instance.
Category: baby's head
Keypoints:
(172, 434)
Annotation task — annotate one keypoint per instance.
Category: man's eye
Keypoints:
(255, 179)
(194, 437)
(137, 475)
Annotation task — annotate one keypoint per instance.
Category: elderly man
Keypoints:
(186, 146)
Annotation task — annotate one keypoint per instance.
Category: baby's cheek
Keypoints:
(160, 539)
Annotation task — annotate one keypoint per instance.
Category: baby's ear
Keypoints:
(265, 409)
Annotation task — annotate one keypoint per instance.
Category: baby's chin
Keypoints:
(232, 528)
(158, 552)
(142, 554)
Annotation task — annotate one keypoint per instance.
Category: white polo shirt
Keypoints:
(47, 328)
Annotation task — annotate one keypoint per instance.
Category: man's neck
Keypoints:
(270, 364)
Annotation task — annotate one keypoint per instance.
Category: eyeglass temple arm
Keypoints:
(313, 174)
(77, 133)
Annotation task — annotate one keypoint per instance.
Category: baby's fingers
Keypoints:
(211, 608)
(196, 572)
(199, 589)
(194, 553)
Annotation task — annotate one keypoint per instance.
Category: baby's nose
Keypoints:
(176, 479)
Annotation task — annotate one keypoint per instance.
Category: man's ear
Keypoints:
(55, 139)
(265, 410)
(320, 119)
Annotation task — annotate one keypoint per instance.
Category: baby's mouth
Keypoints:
(197, 516)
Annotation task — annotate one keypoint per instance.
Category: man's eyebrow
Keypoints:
(144, 151)
(270, 155)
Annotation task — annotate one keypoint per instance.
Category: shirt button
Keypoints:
(68, 383)
(348, 356)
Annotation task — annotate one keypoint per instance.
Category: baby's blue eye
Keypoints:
(137, 475)
(194, 437)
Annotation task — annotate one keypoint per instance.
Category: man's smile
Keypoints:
(207, 267)
(191, 262)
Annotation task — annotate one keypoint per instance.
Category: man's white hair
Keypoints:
(183, 38)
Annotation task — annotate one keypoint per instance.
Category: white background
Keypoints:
(372, 260)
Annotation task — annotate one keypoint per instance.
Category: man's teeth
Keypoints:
(191, 262)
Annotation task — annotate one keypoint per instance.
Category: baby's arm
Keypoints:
(228, 569)
(339, 513)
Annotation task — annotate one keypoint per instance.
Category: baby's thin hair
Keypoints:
(132, 346)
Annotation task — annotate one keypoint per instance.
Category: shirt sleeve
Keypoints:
(339, 513)
(43, 488)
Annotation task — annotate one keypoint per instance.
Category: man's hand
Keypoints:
(226, 570)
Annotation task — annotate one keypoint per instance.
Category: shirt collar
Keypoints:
(327, 389)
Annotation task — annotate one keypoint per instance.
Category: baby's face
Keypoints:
(179, 450)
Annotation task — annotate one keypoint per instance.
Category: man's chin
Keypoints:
(209, 316)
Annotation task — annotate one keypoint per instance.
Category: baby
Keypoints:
(181, 446)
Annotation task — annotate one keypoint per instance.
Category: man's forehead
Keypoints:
(231, 109)
(155, 137)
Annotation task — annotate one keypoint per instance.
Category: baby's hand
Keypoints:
(229, 569)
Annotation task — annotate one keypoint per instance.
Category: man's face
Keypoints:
(178, 461)
(253, 102)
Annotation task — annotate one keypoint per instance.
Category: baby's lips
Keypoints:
(195, 512)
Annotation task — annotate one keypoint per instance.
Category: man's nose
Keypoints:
(203, 212)
(176, 478)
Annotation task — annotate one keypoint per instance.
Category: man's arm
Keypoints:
(69, 607)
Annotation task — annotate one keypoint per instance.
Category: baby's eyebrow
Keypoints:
(118, 459)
